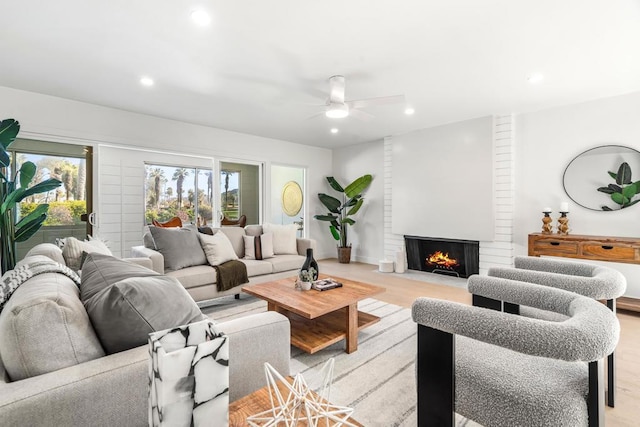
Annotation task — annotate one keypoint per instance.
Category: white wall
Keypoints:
(366, 236)
(443, 181)
(547, 141)
(55, 119)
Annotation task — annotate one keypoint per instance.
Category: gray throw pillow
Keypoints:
(126, 302)
(179, 246)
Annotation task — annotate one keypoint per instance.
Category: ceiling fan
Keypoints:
(336, 107)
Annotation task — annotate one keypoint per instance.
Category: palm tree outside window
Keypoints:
(172, 191)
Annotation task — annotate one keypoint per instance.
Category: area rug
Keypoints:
(378, 380)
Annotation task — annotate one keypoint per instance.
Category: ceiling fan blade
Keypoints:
(336, 89)
(360, 115)
(383, 100)
(313, 116)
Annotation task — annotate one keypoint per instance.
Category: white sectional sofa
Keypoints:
(201, 281)
(54, 371)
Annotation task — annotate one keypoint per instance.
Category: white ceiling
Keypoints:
(260, 66)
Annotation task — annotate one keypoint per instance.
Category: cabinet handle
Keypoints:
(607, 247)
(554, 243)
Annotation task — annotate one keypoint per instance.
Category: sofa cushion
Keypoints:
(258, 247)
(284, 238)
(235, 237)
(73, 249)
(257, 268)
(44, 327)
(179, 246)
(49, 250)
(217, 248)
(198, 275)
(126, 302)
(286, 262)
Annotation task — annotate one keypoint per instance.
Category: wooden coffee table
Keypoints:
(257, 402)
(319, 318)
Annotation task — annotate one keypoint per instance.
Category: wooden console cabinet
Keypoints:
(598, 248)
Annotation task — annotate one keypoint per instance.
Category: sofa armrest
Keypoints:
(144, 262)
(113, 390)
(157, 259)
(254, 340)
(304, 244)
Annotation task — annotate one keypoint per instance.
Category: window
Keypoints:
(172, 191)
(67, 203)
(70, 203)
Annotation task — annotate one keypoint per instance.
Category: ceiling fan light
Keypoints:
(337, 111)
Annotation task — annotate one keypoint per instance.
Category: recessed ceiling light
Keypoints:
(146, 81)
(334, 130)
(409, 111)
(200, 17)
(535, 78)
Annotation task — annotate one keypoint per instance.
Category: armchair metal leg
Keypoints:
(435, 366)
(480, 301)
(511, 308)
(595, 398)
(611, 368)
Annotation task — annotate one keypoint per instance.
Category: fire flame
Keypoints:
(442, 260)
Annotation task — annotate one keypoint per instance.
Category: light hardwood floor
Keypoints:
(403, 292)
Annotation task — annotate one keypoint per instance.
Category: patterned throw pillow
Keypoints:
(258, 247)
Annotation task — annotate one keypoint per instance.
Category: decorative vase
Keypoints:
(344, 254)
(309, 263)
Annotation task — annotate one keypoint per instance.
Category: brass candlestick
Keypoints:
(546, 223)
(563, 223)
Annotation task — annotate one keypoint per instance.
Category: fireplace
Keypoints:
(459, 258)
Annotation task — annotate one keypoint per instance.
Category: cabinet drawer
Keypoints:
(552, 246)
(608, 251)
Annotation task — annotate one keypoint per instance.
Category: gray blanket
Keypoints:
(12, 279)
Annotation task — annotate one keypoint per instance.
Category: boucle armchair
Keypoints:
(502, 369)
(590, 280)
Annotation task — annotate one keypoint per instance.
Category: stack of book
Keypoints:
(325, 284)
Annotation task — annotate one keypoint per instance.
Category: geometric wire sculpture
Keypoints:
(301, 403)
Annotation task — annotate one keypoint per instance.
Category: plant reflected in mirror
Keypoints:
(601, 178)
(624, 190)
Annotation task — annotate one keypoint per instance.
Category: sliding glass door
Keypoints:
(240, 191)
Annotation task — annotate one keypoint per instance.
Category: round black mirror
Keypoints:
(605, 178)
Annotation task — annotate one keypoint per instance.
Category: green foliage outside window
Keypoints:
(60, 213)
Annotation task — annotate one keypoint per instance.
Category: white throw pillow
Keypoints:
(217, 248)
(284, 238)
(258, 247)
(73, 248)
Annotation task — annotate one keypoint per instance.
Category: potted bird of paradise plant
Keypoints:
(14, 187)
(341, 211)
